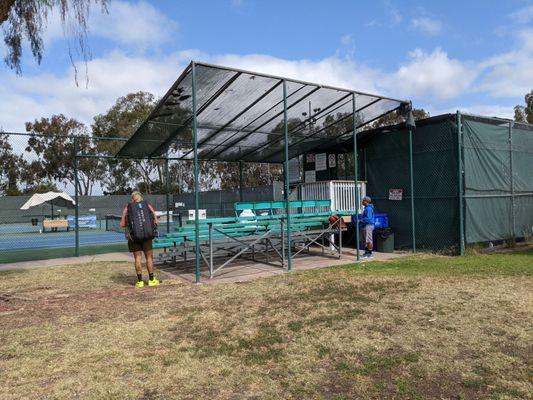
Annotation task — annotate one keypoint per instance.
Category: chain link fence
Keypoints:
(471, 182)
(443, 186)
(85, 168)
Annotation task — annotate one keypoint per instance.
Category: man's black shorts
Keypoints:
(139, 246)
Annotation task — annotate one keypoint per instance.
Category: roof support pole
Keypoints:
(76, 194)
(412, 190)
(355, 175)
(240, 181)
(460, 194)
(286, 174)
(196, 194)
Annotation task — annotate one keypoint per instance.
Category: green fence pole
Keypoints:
(411, 177)
(460, 182)
(76, 199)
(513, 216)
(240, 181)
(355, 176)
(196, 195)
(167, 191)
(286, 175)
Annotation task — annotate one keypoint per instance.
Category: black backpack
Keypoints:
(140, 222)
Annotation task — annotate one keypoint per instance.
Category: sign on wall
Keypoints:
(332, 161)
(320, 162)
(395, 194)
(202, 214)
(310, 176)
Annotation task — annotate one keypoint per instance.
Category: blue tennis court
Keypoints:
(54, 240)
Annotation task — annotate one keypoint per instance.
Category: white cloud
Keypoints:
(425, 77)
(428, 25)
(134, 25)
(489, 110)
(393, 13)
(332, 71)
(24, 98)
(510, 74)
(434, 79)
(138, 25)
(431, 74)
(522, 16)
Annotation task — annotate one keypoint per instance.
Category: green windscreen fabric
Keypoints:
(522, 157)
(435, 183)
(497, 158)
(498, 165)
(435, 186)
(387, 166)
(487, 179)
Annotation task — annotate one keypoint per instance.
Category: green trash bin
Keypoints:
(384, 240)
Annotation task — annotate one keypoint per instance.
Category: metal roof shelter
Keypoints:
(218, 113)
(240, 116)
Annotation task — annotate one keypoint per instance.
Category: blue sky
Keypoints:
(476, 55)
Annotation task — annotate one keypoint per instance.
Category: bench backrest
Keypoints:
(278, 207)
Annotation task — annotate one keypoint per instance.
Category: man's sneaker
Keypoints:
(139, 284)
(367, 255)
(153, 282)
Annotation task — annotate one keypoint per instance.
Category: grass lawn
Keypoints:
(416, 328)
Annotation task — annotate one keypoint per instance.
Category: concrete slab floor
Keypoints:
(241, 270)
(245, 270)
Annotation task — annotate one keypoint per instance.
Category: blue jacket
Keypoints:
(368, 216)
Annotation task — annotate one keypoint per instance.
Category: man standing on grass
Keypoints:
(140, 222)
(366, 223)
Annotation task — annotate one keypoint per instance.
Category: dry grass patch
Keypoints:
(422, 328)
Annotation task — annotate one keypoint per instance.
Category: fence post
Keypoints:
(355, 168)
(76, 198)
(513, 214)
(286, 175)
(196, 194)
(411, 177)
(460, 182)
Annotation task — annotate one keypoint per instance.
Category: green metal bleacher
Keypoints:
(267, 217)
(264, 230)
